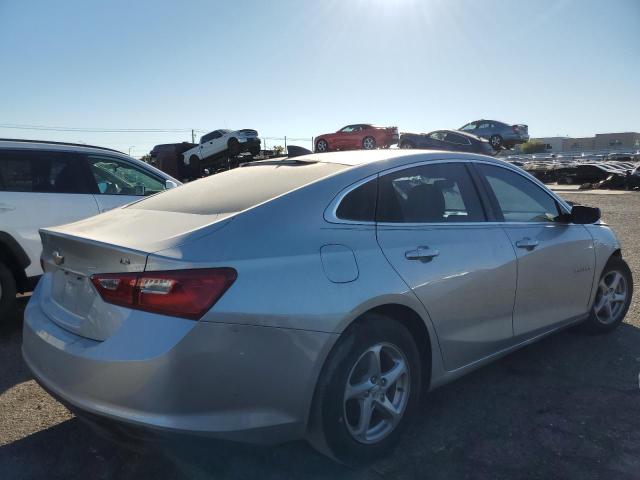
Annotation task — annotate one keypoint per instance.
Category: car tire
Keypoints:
(612, 299)
(407, 145)
(322, 146)
(496, 142)
(369, 143)
(335, 427)
(234, 146)
(7, 293)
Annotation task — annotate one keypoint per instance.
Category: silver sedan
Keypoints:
(316, 297)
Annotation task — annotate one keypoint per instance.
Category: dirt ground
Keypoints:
(566, 407)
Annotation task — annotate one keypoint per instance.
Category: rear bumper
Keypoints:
(168, 375)
(516, 139)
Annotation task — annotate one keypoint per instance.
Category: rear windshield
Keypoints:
(238, 189)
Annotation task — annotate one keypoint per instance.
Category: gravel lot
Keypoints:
(566, 407)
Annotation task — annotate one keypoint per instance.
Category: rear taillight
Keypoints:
(179, 293)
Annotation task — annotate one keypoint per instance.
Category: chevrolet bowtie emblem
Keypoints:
(57, 258)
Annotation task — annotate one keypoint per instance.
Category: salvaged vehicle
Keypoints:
(217, 147)
(168, 158)
(375, 277)
(452, 140)
(48, 183)
(499, 134)
(359, 136)
(579, 173)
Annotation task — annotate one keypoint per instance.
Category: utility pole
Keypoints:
(193, 136)
(285, 144)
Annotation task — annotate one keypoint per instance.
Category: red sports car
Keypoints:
(353, 137)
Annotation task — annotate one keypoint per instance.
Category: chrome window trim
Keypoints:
(330, 213)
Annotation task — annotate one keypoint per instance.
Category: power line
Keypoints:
(95, 130)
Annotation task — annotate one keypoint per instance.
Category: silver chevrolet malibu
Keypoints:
(314, 297)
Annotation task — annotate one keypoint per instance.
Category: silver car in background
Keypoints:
(314, 297)
(499, 134)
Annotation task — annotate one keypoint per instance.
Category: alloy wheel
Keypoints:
(321, 146)
(611, 297)
(377, 393)
(369, 143)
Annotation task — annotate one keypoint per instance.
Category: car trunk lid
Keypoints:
(521, 129)
(105, 244)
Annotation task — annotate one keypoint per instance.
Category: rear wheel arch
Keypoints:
(411, 323)
(13, 256)
(408, 318)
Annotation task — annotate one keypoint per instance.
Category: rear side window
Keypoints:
(429, 194)
(457, 139)
(519, 199)
(360, 203)
(44, 172)
(238, 189)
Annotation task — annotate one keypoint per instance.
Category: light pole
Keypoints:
(132, 146)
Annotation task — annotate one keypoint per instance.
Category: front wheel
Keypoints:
(407, 145)
(322, 146)
(613, 297)
(367, 391)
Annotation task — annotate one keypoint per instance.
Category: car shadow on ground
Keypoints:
(12, 372)
(566, 407)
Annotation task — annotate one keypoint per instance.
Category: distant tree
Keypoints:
(532, 146)
(278, 150)
(146, 158)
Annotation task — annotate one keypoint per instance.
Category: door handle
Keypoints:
(527, 243)
(421, 253)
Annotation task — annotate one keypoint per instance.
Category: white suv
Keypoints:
(44, 184)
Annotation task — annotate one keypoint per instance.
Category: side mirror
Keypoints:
(583, 215)
(170, 184)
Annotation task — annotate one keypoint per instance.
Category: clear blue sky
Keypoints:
(300, 68)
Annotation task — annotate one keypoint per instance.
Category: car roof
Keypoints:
(487, 120)
(355, 158)
(461, 133)
(39, 144)
(19, 144)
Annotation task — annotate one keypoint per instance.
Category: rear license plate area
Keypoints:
(72, 291)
